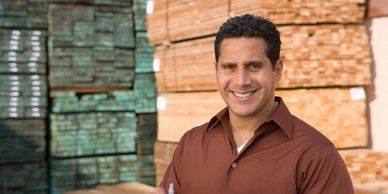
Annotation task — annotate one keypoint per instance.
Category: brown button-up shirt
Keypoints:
(285, 156)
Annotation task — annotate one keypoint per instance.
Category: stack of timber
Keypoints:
(23, 14)
(79, 173)
(23, 104)
(314, 56)
(346, 129)
(368, 169)
(325, 51)
(92, 133)
(176, 20)
(132, 188)
(90, 46)
(24, 178)
(146, 92)
(163, 156)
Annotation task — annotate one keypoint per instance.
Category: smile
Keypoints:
(244, 94)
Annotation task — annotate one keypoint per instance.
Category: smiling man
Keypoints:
(254, 145)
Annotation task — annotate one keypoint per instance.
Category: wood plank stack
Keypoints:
(325, 50)
(314, 56)
(103, 93)
(368, 169)
(163, 156)
(23, 106)
(132, 188)
(23, 14)
(90, 46)
(87, 172)
(175, 20)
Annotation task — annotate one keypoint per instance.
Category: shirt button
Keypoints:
(234, 165)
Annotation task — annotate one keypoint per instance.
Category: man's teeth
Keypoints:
(242, 95)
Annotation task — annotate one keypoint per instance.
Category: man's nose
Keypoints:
(243, 78)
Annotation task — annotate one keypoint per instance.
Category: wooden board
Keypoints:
(338, 113)
(366, 166)
(303, 12)
(163, 156)
(314, 56)
(122, 188)
(175, 20)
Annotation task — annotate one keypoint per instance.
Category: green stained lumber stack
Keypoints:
(69, 102)
(146, 170)
(23, 178)
(143, 54)
(80, 173)
(146, 133)
(139, 10)
(23, 96)
(23, 51)
(91, 45)
(121, 3)
(23, 13)
(145, 89)
(92, 133)
(22, 140)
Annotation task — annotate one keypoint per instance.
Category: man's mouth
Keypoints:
(243, 94)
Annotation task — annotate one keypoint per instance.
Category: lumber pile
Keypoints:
(68, 174)
(176, 20)
(23, 103)
(90, 46)
(163, 156)
(132, 188)
(314, 56)
(346, 129)
(365, 165)
(23, 14)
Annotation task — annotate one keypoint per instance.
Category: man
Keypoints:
(254, 145)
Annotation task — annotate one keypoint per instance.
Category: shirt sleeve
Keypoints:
(325, 172)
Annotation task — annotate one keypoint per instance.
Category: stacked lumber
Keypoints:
(176, 20)
(314, 56)
(143, 54)
(23, 178)
(79, 173)
(86, 134)
(23, 14)
(23, 104)
(365, 165)
(90, 46)
(132, 188)
(163, 156)
(346, 129)
(302, 12)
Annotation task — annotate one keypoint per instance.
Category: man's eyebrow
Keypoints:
(255, 62)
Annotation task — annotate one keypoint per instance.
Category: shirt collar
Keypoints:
(281, 116)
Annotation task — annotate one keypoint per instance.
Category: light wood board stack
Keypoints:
(368, 169)
(163, 156)
(314, 56)
(325, 50)
(346, 129)
(175, 20)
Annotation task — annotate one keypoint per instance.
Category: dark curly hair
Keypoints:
(249, 25)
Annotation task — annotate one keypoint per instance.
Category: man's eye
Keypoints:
(228, 67)
(254, 67)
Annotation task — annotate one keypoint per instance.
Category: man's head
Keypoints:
(250, 26)
(248, 66)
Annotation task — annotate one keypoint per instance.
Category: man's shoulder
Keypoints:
(308, 134)
(195, 132)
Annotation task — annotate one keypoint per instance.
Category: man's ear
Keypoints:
(278, 70)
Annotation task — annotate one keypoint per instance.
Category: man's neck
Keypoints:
(250, 123)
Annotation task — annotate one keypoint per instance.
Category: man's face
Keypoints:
(245, 77)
